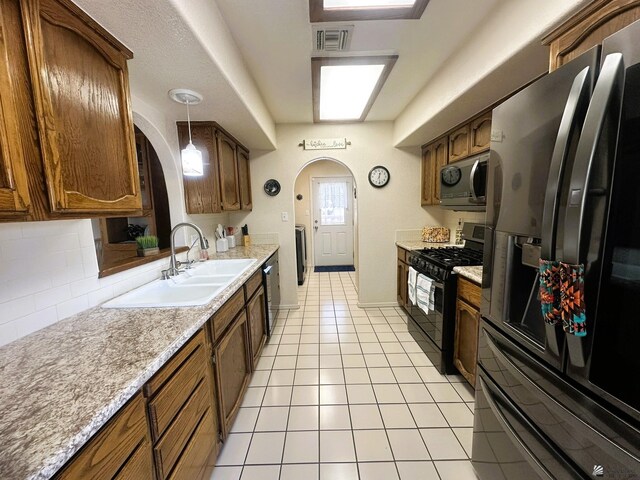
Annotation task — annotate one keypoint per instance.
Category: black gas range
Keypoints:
(439, 324)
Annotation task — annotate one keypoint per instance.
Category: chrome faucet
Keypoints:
(173, 265)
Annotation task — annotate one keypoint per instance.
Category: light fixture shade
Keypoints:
(192, 165)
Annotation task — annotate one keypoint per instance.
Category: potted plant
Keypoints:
(147, 245)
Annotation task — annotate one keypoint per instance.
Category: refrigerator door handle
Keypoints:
(608, 89)
(606, 103)
(570, 125)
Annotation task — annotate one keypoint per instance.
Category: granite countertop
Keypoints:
(472, 273)
(419, 245)
(60, 385)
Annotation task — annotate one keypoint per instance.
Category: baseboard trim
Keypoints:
(289, 307)
(378, 305)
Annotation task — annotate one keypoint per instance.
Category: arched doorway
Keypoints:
(325, 208)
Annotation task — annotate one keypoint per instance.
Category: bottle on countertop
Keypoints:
(459, 232)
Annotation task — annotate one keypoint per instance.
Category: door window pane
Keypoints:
(333, 203)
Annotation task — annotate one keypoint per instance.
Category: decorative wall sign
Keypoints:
(324, 144)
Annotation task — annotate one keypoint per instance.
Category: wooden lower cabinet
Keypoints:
(465, 347)
(401, 279)
(257, 313)
(119, 450)
(232, 370)
(194, 461)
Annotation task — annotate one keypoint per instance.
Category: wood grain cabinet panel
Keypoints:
(228, 168)
(226, 314)
(84, 121)
(201, 194)
(232, 369)
(194, 461)
(440, 154)
(112, 448)
(428, 165)
(139, 466)
(14, 190)
(588, 28)
(459, 144)
(465, 347)
(257, 313)
(480, 129)
(244, 178)
(401, 284)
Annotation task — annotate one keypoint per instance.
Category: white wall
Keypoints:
(380, 211)
(49, 270)
(321, 168)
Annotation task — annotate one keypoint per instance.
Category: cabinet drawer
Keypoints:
(109, 450)
(226, 314)
(469, 292)
(193, 461)
(139, 466)
(168, 449)
(402, 255)
(153, 385)
(253, 283)
(173, 395)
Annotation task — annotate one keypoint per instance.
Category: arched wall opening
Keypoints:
(321, 167)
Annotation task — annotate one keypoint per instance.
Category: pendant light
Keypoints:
(192, 165)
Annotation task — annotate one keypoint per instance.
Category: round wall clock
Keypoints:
(450, 175)
(272, 187)
(379, 176)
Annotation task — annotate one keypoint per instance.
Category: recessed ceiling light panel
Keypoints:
(333, 4)
(344, 88)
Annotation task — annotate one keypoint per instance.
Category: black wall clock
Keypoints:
(379, 176)
(272, 187)
(451, 175)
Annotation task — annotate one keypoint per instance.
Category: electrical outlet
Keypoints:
(306, 213)
(285, 216)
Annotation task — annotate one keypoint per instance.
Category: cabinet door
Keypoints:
(440, 158)
(426, 188)
(232, 370)
(228, 165)
(244, 177)
(402, 277)
(142, 156)
(459, 144)
(481, 133)
(201, 194)
(257, 311)
(81, 95)
(14, 193)
(588, 28)
(465, 348)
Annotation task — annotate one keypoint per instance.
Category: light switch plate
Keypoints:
(285, 216)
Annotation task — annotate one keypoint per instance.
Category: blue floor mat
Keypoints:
(335, 268)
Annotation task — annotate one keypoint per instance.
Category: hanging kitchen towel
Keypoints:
(424, 293)
(411, 285)
(572, 299)
(550, 291)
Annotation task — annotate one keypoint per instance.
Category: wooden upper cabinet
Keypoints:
(142, 155)
(244, 178)
(14, 191)
(480, 131)
(440, 157)
(81, 94)
(426, 188)
(228, 167)
(588, 28)
(459, 144)
(202, 194)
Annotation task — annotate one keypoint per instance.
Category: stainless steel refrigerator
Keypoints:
(564, 185)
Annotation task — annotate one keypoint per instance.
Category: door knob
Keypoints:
(315, 228)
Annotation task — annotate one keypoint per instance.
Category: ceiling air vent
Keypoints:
(336, 38)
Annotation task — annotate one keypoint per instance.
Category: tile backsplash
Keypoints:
(49, 271)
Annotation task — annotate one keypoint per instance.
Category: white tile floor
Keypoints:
(344, 393)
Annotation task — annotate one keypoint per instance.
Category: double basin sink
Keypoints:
(196, 286)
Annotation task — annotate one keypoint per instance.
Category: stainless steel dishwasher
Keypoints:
(271, 280)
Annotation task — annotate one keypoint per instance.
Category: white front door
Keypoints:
(333, 221)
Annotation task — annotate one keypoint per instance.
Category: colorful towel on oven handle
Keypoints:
(550, 296)
(572, 301)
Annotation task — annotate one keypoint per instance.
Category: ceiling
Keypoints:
(275, 40)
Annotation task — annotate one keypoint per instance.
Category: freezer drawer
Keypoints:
(584, 432)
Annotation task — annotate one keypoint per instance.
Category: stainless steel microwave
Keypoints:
(463, 184)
